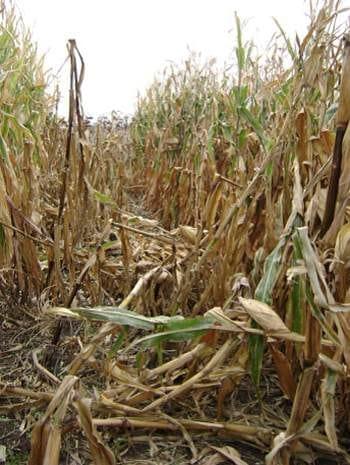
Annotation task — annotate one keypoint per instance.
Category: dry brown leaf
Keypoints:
(343, 113)
(212, 204)
(320, 443)
(342, 245)
(101, 454)
(264, 316)
(225, 390)
(284, 372)
(212, 459)
(344, 181)
(188, 233)
(46, 435)
(303, 145)
(328, 406)
(231, 454)
(275, 456)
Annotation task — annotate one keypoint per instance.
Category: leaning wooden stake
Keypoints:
(342, 120)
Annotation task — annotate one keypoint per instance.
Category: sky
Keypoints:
(125, 43)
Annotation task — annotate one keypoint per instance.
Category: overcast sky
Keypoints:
(125, 43)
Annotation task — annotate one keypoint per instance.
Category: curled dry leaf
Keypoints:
(231, 454)
(284, 372)
(342, 245)
(188, 233)
(46, 435)
(101, 454)
(332, 365)
(264, 316)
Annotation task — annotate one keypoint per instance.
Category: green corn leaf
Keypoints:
(263, 293)
(3, 149)
(254, 122)
(271, 271)
(287, 41)
(117, 344)
(176, 335)
(118, 316)
(104, 198)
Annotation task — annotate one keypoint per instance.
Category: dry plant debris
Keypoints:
(176, 287)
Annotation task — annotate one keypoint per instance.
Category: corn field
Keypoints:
(175, 288)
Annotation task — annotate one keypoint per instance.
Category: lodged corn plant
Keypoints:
(210, 234)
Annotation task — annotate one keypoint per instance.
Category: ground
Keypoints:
(22, 332)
